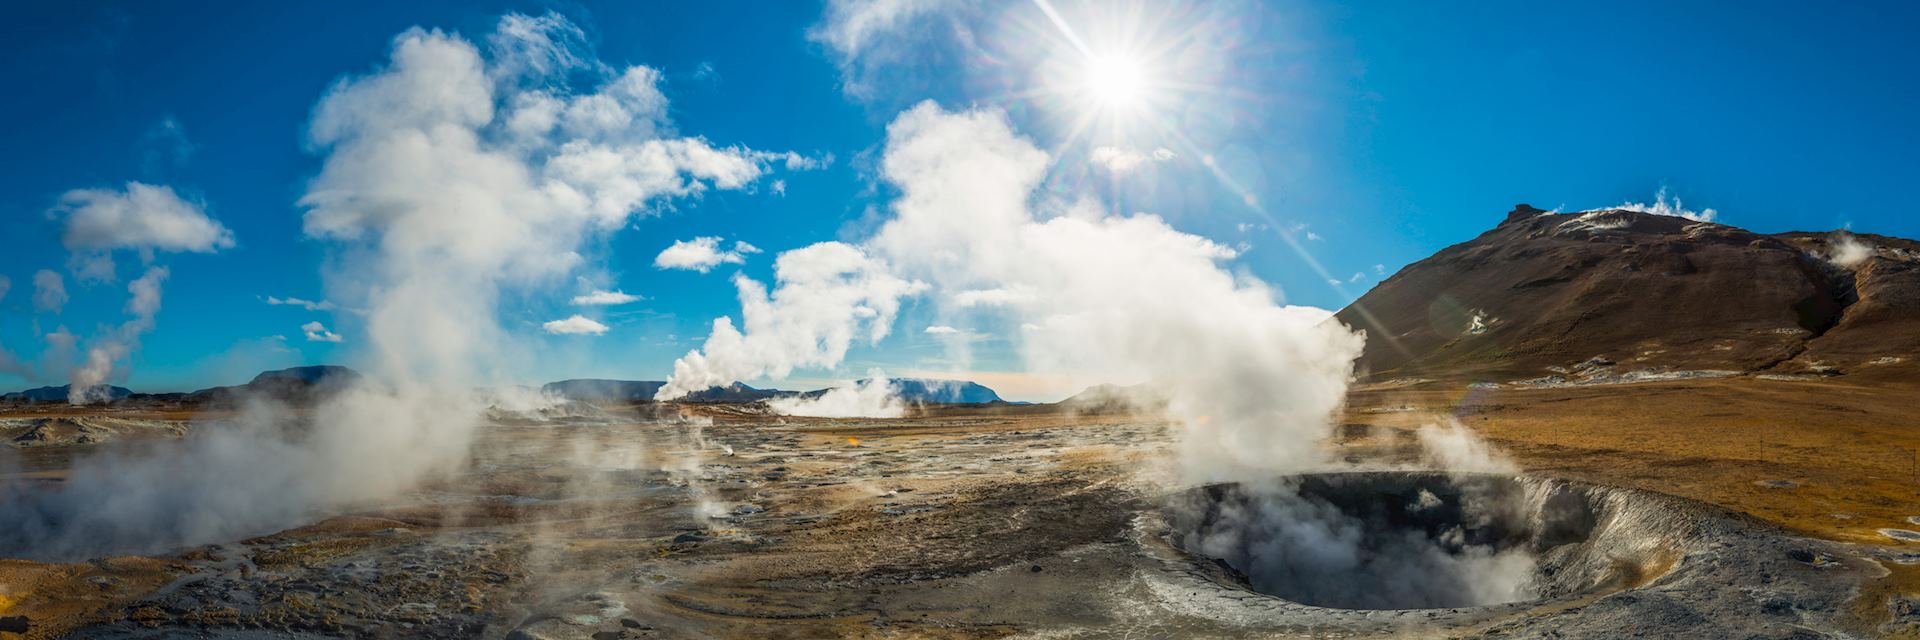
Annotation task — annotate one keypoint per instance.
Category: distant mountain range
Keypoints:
(596, 390)
(56, 394)
(931, 391)
(914, 390)
(307, 384)
(296, 385)
(1561, 296)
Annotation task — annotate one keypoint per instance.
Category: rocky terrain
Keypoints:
(1600, 294)
(984, 523)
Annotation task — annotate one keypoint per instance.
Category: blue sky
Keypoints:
(1372, 135)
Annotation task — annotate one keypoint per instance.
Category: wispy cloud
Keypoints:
(317, 332)
(310, 305)
(602, 298)
(997, 297)
(165, 145)
(575, 325)
(1123, 159)
(49, 291)
(868, 36)
(702, 254)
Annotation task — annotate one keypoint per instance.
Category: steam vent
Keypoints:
(1385, 552)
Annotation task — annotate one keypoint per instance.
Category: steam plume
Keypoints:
(1253, 381)
(875, 397)
(450, 176)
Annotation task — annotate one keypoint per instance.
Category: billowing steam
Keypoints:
(824, 296)
(86, 384)
(451, 175)
(1848, 250)
(875, 397)
(143, 218)
(1254, 382)
(1451, 446)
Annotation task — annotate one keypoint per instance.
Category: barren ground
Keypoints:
(1014, 521)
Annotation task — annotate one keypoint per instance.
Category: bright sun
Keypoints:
(1116, 82)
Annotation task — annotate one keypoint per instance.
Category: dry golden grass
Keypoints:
(1851, 451)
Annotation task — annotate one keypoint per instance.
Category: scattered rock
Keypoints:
(1813, 558)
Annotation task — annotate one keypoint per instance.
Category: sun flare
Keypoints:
(1116, 81)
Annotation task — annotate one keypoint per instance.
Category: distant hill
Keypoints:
(917, 390)
(590, 389)
(1545, 294)
(296, 385)
(735, 392)
(931, 391)
(596, 390)
(57, 394)
(1113, 398)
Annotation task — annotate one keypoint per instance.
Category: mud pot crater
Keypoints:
(1424, 540)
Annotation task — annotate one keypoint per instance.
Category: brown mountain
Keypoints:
(1614, 292)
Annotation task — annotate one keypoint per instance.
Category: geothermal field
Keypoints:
(959, 319)
(618, 520)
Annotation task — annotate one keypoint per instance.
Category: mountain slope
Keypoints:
(1543, 293)
(596, 390)
(298, 385)
(58, 394)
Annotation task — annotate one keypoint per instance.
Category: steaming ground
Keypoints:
(730, 522)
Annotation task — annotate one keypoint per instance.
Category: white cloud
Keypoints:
(1357, 276)
(1380, 269)
(317, 332)
(1665, 206)
(49, 291)
(702, 254)
(141, 216)
(309, 305)
(605, 298)
(575, 325)
(1314, 236)
(942, 330)
(1123, 160)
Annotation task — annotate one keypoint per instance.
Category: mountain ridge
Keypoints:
(1542, 293)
